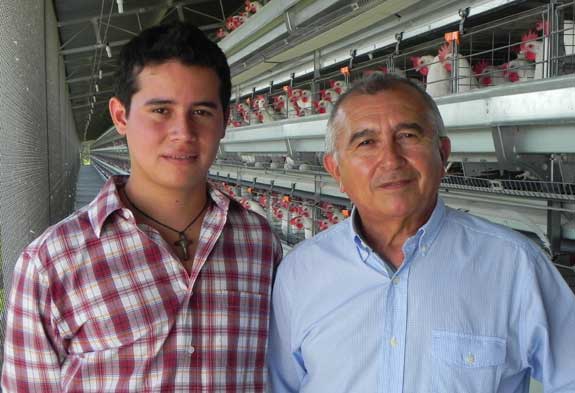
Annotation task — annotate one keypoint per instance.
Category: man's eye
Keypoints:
(366, 142)
(161, 111)
(408, 136)
(202, 112)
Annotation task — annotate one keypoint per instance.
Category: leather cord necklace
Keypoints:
(184, 242)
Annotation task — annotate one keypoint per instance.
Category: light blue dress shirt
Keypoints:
(475, 307)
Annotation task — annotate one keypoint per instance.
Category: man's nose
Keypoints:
(183, 128)
(391, 156)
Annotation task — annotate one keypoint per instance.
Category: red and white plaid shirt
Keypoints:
(99, 304)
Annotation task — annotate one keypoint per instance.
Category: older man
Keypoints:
(409, 295)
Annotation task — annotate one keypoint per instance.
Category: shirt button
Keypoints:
(424, 248)
(393, 342)
(470, 359)
(396, 280)
(191, 349)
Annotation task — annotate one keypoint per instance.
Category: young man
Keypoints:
(409, 295)
(162, 283)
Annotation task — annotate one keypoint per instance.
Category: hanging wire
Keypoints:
(97, 61)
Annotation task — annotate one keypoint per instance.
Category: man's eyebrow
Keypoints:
(361, 134)
(165, 101)
(209, 104)
(159, 101)
(408, 126)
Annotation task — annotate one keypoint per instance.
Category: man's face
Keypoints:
(389, 160)
(174, 127)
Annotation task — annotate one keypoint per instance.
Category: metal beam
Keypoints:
(161, 5)
(96, 27)
(87, 78)
(90, 48)
(181, 14)
(73, 37)
(91, 94)
(88, 105)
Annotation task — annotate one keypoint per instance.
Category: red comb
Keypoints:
(530, 36)
(444, 51)
(478, 68)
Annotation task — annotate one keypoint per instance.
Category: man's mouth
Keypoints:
(180, 157)
(395, 184)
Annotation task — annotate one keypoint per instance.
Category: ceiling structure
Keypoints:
(285, 38)
(92, 33)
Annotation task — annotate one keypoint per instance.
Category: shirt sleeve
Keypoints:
(285, 364)
(31, 363)
(548, 307)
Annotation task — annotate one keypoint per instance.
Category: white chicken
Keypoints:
(304, 102)
(252, 205)
(437, 78)
(338, 86)
(252, 6)
(534, 50)
(519, 70)
(465, 79)
(285, 106)
(322, 106)
(263, 112)
(489, 75)
(301, 227)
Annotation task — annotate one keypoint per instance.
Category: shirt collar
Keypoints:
(220, 199)
(363, 248)
(423, 238)
(429, 231)
(108, 201)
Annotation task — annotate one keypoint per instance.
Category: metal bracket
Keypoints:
(504, 141)
(352, 54)
(180, 11)
(463, 14)
(289, 148)
(287, 21)
(292, 190)
(398, 39)
(566, 164)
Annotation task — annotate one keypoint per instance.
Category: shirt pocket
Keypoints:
(239, 325)
(466, 363)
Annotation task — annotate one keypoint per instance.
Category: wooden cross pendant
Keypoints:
(183, 243)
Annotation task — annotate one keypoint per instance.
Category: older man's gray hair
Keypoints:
(372, 85)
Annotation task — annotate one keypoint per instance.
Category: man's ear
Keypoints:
(444, 149)
(331, 166)
(226, 117)
(118, 115)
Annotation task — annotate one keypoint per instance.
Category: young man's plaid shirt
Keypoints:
(99, 304)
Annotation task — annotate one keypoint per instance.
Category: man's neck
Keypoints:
(172, 207)
(387, 236)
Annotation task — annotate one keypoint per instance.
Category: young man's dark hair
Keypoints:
(175, 41)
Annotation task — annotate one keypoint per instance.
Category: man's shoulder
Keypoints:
(62, 239)
(488, 232)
